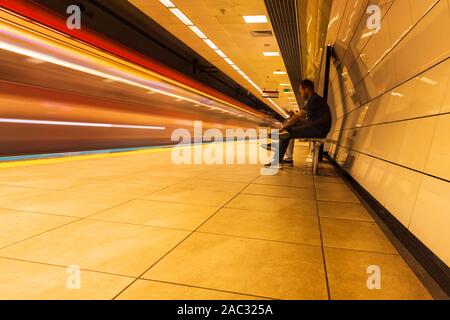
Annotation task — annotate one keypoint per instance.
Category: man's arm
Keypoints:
(294, 119)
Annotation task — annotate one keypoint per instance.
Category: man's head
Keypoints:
(306, 89)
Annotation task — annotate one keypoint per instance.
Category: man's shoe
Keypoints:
(288, 162)
(269, 146)
(274, 165)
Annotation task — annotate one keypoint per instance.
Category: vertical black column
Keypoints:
(325, 86)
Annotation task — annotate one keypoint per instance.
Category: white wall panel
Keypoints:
(438, 163)
(431, 216)
(391, 91)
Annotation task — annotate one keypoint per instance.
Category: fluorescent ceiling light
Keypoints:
(279, 72)
(285, 84)
(198, 32)
(255, 19)
(221, 54)
(235, 67)
(271, 53)
(228, 60)
(167, 3)
(211, 44)
(180, 15)
(428, 80)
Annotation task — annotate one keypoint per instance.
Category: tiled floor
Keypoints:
(139, 227)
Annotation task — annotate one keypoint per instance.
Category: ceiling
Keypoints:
(222, 22)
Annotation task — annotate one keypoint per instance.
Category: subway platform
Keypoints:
(133, 225)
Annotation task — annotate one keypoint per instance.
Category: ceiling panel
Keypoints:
(222, 22)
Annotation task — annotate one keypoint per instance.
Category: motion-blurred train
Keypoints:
(60, 94)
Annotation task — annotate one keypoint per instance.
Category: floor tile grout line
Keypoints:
(177, 245)
(65, 267)
(361, 250)
(207, 288)
(259, 239)
(327, 283)
(353, 220)
(138, 225)
(64, 225)
(272, 196)
(78, 219)
(134, 277)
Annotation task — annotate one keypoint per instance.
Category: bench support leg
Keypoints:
(316, 152)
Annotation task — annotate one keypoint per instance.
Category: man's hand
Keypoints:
(294, 119)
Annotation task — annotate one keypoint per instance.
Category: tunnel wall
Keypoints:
(390, 95)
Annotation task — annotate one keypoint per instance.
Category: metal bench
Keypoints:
(314, 147)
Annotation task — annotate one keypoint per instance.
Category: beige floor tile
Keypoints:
(335, 192)
(273, 204)
(33, 281)
(63, 203)
(53, 181)
(348, 276)
(194, 196)
(158, 214)
(357, 235)
(100, 246)
(227, 177)
(15, 193)
(114, 188)
(214, 185)
(287, 226)
(146, 180)
(328, 179)
(280, 191)
(18, 225)
(329, 172)
(352, 211)
(304, 181)
(153, 290)
(256, 267)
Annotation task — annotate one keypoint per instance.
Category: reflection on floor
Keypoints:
(140, 227)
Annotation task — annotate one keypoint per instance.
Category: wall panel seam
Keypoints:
(396, 45)
(393, 163)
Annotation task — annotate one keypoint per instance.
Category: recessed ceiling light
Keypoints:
(255, 19)
(180, 15)
(198, 32)
(271, 53)
(279, 72)
(211, 44)
(167, 3)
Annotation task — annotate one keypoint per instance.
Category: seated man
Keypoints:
(289, 156)
(315, 120)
